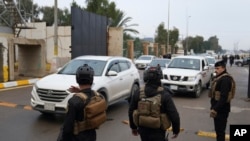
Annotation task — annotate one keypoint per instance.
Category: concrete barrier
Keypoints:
(18, 83)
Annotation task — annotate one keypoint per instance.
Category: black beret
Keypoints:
(220, 63)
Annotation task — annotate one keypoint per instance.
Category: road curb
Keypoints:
(210, 134)
(18, 83)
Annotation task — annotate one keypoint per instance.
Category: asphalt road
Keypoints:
(20, 123)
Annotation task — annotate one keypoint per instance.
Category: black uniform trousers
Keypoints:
(220, 124)
(152, 134)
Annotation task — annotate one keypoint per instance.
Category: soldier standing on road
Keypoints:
(224, 57)
(222, 91)
(153, 77)
(84, 77)
(231, 60)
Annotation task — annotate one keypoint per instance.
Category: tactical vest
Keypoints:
(216, 94)
(148, 114)
(94, 113)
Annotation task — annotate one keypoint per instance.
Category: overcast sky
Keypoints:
(229, 20)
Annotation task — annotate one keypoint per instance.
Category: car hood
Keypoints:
(181, 72)
(59, 81)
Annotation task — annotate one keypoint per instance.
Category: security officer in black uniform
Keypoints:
(220, 106)
(153, 81)
(84, 78)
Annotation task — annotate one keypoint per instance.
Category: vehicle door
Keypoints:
(114, 81)
(206, 74)
(127, 76)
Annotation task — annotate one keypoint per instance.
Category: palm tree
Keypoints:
(122, 21)
(117, 17)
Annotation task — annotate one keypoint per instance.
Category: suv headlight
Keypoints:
(35, 87)
(191, 78)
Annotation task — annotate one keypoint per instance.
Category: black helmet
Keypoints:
(153, 74)
(84, 75)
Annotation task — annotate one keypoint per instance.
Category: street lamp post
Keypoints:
(168, 25)
(186, 48)
(55, 30)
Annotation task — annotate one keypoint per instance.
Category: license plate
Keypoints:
(49, 106)
(173, 87)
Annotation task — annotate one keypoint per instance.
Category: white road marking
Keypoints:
(196, 108)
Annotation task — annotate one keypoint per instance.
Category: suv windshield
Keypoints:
(185, 63)
(210, 60)
(144, 58)
(72, 66)
(162, 62)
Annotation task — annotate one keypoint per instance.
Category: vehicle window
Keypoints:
(144, 58)
(210, 60)
(115, 67)
(72, 66)
(162, 63)
(185, 63)
(129, 64)
(124, 66)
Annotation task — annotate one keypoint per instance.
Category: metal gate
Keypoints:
(88, 34)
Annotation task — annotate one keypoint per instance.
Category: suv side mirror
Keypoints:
(112, 73)
(206, 68)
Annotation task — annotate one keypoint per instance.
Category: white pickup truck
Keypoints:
(188, 74)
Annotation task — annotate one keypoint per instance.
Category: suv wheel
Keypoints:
(197, 92)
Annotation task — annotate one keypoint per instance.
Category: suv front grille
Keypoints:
(52, 95)
(175, 78)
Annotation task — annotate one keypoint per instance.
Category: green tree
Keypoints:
(214, 44)
(161, 37)
(48, 16)
(29, 10)
(200, 46)
(161, 34)
(137, 47)
(173, 38)
(98, 6)
(116, 16)
(196, 44)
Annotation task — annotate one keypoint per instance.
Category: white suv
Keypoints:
(143, 61)
(187, 74)
(116, 78)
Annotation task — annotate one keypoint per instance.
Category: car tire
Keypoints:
(134, 88)
(198, 90)
(105, 97)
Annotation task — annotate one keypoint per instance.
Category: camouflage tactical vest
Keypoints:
(216, 94)
(148, 114)
(94, 113)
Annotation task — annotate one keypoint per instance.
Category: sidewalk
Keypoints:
(20, 80)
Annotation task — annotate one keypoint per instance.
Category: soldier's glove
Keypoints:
(135, 132)
(213, 113)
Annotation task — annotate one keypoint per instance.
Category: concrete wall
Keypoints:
(45, 36)
(40, 31)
